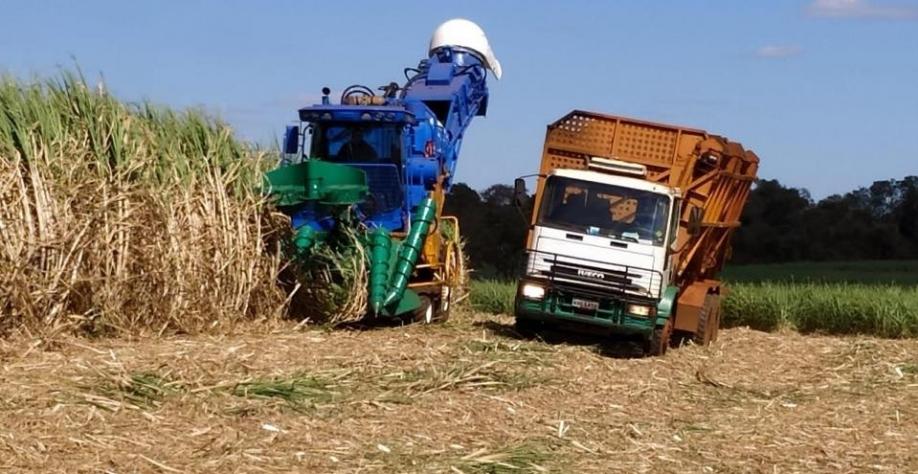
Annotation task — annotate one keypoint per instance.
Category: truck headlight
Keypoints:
(640, 310)
(534, 292)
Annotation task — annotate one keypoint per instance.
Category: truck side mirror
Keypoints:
(694, 221)
(519, 192)
(292, 140)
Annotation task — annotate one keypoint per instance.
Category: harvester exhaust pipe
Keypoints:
(462, 33)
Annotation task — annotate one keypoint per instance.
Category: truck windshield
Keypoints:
(357, 143)
(604, 209)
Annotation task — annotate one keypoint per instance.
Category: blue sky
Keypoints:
(825, 91)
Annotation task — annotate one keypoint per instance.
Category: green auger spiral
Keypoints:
(380, 248)
(411, 248)
(305, 239)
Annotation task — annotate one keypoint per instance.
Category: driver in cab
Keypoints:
(356, 148)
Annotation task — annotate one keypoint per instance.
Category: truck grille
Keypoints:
(594, 277)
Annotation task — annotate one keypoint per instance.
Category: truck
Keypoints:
(631, 225)
(378, 164)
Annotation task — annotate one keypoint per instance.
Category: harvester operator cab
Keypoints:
(356, 148)
(357, 143)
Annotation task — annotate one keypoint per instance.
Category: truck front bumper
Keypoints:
(557, 307)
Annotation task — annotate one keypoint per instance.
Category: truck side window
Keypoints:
(674, 224)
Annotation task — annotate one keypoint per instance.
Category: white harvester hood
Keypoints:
(465, 34)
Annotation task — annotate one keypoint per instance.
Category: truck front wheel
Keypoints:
(659, 340)
(526, 327)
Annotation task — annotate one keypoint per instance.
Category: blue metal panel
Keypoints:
(440, 74)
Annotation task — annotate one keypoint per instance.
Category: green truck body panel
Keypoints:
(556, 307)
(667, 304)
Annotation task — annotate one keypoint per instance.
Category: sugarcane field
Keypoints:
(654, 251)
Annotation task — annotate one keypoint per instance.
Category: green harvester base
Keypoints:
(336, 188)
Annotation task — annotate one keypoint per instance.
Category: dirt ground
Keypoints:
(469, 396)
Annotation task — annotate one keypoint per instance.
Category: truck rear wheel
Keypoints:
(708, 321)
(659, 341)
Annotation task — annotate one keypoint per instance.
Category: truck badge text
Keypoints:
(590, 274)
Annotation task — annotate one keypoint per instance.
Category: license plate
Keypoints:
(585, 304)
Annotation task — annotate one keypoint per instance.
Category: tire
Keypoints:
(715, 321)
(425, 313)
(708, 321)
(444, 305)
(431, 311)
(454, 285)
(526, 327)
(659, 340)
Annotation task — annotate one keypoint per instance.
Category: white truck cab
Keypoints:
(601, 242)
(614, 222)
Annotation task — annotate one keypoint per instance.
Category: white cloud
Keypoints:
(862, 9)
(773, 51)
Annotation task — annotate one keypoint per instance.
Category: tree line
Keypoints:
(779, 224)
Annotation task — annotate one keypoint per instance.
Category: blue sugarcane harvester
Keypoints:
(381, 165)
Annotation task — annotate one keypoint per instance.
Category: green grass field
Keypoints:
(833, 308)
(903, 273)
(875, 298)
